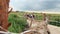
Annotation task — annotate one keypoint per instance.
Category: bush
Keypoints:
(17, 23)
(55, 23)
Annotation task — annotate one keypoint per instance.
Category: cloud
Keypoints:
(35, 5)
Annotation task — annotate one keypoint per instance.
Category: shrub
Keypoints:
(17, 23)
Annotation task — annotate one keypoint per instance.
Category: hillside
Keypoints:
(18, 20)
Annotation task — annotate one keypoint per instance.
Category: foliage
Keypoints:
(17, 23)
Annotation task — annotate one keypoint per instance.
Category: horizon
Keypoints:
(47, 12)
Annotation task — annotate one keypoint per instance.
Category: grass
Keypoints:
(17, 23)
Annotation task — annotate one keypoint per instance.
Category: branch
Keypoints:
(10, 10)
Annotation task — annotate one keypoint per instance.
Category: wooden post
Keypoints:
(4, 5)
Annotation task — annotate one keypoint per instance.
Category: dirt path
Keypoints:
(54, 29)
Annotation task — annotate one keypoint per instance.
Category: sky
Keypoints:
(35, 5)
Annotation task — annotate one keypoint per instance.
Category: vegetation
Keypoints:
(18, 22)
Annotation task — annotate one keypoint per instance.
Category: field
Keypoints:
(18, 21)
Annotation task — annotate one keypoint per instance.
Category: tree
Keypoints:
(4, 5)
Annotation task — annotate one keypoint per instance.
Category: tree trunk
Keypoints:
(4, 5)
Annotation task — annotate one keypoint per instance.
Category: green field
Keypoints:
(18, 21)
